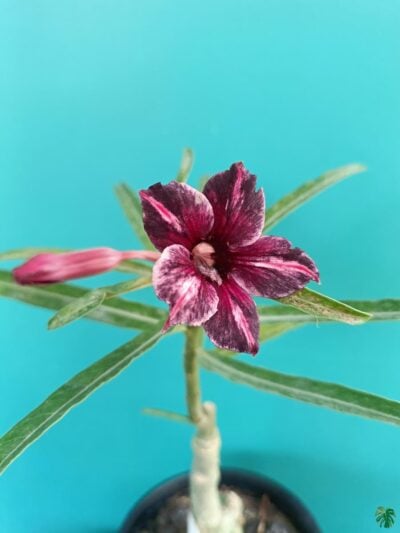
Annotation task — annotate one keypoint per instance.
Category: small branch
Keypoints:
(167, 415)
(193, 394)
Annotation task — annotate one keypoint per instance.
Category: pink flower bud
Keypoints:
(55, 268)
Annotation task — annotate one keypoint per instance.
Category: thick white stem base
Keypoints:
(212, 512)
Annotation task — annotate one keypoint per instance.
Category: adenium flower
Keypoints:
(214, 258)
(55, 268)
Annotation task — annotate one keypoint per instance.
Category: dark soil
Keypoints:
(261, 516)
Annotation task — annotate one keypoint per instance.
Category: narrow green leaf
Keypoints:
(331, 395)
(202, 182)
(130, 266)
(124, 287)
(380, 310)
(132, 208)
(27, 253)
(306, 192)
(168, 415)
(270, 330)
(116, 311)
(81, 307)
(276, 320)
(77, 389)
(186, 165)
(77, 309)
(318, 305)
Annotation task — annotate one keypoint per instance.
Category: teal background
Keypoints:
(96, 92)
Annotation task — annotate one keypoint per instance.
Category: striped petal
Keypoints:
(239, 210)
(235, 325)
(176, 214)
(192, 298)
(272, 268)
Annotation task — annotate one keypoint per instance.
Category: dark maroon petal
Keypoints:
(192, 298)
(176, 214)
(239, 210)
(271, 268)
(235, 325)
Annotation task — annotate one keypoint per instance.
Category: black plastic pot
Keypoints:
(148, 507)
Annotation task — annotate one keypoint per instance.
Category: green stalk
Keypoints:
(210, 512)
(194, 336)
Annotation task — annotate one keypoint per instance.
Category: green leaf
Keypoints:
(380, 310)
(77, 389)
(127, 286)
(186, 165)
(270, 330)
(130, 203)
(27, 253)
(306, 192)
(92, 300)
(77, 309)
(202, 182)
(331, 395)
(276, 320)
(130, 266)
(168, 415)
(321, 306)
(116, 311)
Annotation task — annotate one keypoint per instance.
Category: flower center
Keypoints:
(203, 255)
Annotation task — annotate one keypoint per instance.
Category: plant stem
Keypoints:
(212, 512)
(194, 337)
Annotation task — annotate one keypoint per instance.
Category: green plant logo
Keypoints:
(385, 516)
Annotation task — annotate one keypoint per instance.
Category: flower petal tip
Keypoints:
(166, 326)
(315, 276)
(239, 209)
(143, 194)
(254, 350)
(175, 213)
